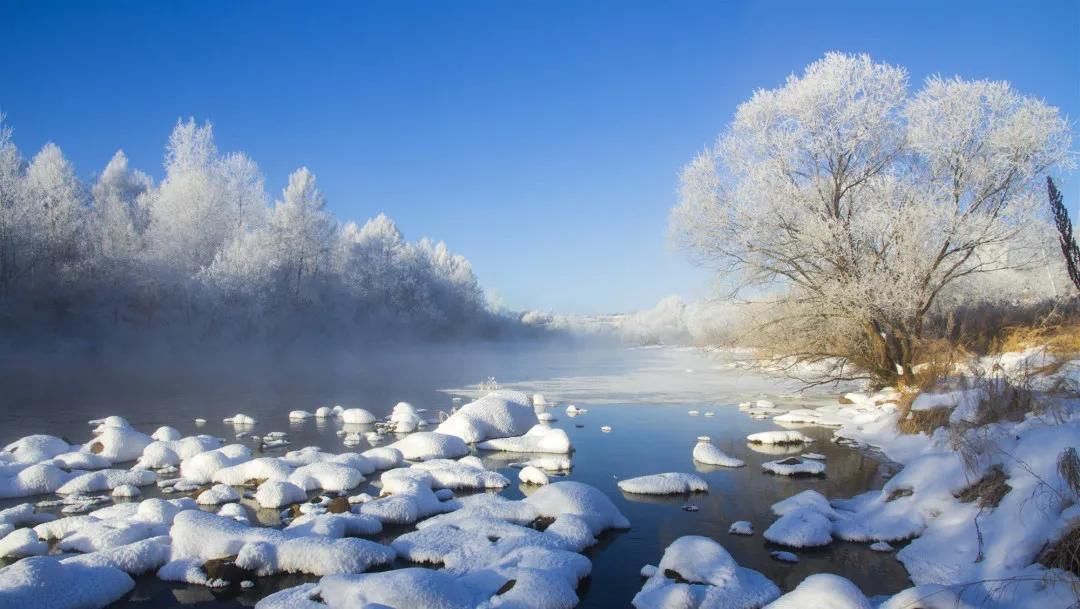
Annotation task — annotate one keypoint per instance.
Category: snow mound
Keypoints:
(36, 479)
(467, 473)
(217, 495)
(783, 436)
(21, 543)
(202, 536)
(35, 448)
(126, 491)
(384, 457)
(299, 415)
(807, 499)
(822, 591)
(201, 467)
(569, 497)
(698, 573)
(539, 439)
(671, 483)
(279, 493)
(133, 558)
(801, 528)
(166, 434)
(741, 527)
(401, 588)
(46, 583)
(357, 416)
(326, 475)
(706, 452)
(119, 444)
(426, 445)
(261, 469)
(106, 480)
(532, 475)
(499, 414)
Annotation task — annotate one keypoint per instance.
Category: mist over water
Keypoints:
(642, 393)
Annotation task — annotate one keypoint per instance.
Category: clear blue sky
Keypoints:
(541, 140)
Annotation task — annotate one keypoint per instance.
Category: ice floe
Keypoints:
(794, 466)
(782, 436)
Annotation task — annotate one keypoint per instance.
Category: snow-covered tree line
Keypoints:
(858, 209)
(206, 251)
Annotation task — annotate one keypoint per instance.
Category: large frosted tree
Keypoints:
(53, 201)
(856, 204)
(301, 229)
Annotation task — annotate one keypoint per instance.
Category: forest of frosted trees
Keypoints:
(206, 254)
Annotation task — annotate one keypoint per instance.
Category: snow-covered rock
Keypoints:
(201, 468)
(35, 448)
(383, 457)
(741, 527)
(671, 483)
(532, 475)
(46, 583)
(801, 528)
(21, 543)
(706, 452)
(539, 439)
(119, 444)
(570, 497)
(425, 445)
(218, 494)
(279, 493)
(698, 573)
(783, 436)
(357, 416)
(106, 480)
(36, 479)
(299, 415)
(822, 591)
(794, 466)
(326, 475)
(499, 414)
(126, 491)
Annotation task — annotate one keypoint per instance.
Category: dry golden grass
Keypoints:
(988, 490)
(1065, 554)
(1060, 339)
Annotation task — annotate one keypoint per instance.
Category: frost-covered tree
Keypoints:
(11, 216)
(119, 214)
(302, 229)
(861, 203)
(202, 254)
(53, 201)
(190, 218)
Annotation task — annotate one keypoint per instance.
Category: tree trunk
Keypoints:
(893, 354)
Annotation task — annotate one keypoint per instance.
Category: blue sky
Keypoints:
(540, 139)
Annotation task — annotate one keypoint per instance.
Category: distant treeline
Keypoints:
(204, 253)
